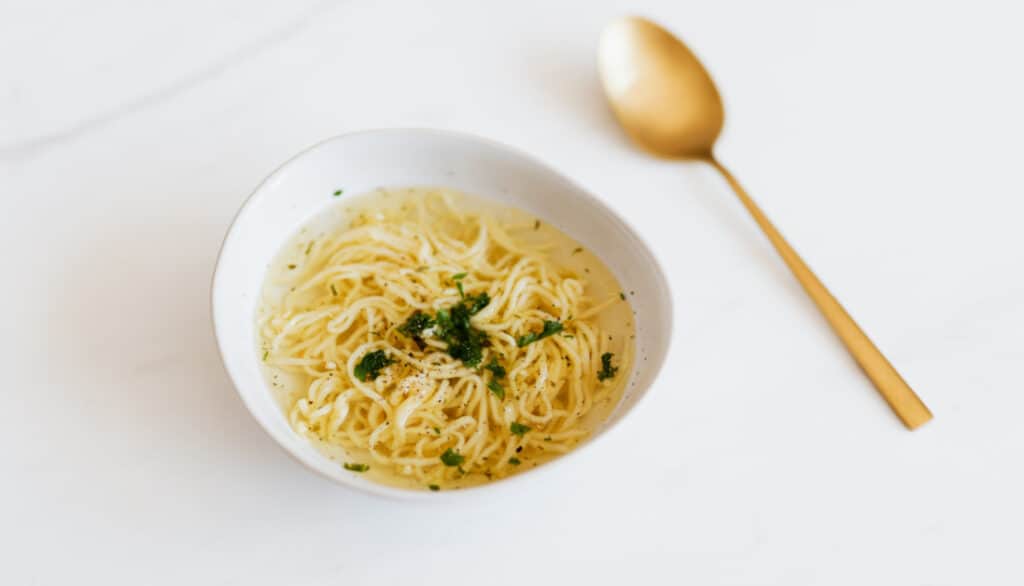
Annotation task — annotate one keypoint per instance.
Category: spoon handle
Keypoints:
(901, 398)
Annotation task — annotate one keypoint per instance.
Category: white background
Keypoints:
(884, 139)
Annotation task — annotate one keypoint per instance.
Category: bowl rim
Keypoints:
(377, 488)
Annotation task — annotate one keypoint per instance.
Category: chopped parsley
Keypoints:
(452, 458)
(514, 461)
(356, 467)
(607, 370)
(496, 369)
(414, 326)
(497, 389)
(309, 247)
(478, 302)
(371, 365)
(451, 325)
(334, 291)
(437, 430)
(265, 354)
(622, 296)
(434, 487)
(518, 428)
(444, 321)
(291, 267)
(338, 192)
(458, 283)
(547, 438)
(465, 342)
(550, 328)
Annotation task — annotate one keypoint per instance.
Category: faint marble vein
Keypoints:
(32, 147)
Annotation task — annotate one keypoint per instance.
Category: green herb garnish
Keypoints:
(338, 192)
(443, 319)
(465, 342)
(547, 438)
(371, 365)
(416, 323)
(550, 328)
(477, 302)
(622, 296)
(265, 354)
(497, 389)
(458, 283)
(437, 430)
(518, 428)
(451, 325)
(333, 290)
(291, 267)
(495, 368)
(452, 458)
(434, 487)
(607, 370)
(514, 461)
(356, 467)
(414, 326)
(310, 246)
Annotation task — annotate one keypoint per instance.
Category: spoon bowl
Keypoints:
(659, 91)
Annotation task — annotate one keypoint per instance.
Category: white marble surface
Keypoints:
(885, 139)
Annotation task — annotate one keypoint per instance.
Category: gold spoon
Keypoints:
(667, 103)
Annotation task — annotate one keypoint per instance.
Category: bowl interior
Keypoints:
(361, 162)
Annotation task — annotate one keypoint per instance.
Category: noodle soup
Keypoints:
(430, 339)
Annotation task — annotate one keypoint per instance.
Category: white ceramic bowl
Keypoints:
(363, 161)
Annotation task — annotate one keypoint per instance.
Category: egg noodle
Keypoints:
(438, 344)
